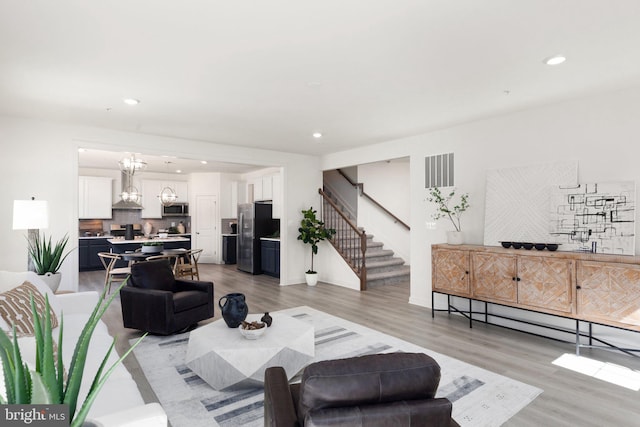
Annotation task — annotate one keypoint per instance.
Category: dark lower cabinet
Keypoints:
(229, 246)
(271, 257)
(88, 253)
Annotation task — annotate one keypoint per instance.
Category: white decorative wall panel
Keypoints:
(595, 217)
(517, 202)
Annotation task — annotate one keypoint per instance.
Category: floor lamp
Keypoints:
(31, 215)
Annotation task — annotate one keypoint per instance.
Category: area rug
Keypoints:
(480, 397)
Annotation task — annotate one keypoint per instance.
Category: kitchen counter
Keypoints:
(145, 240)
(271, 239)
(96, 237)
(227, 234)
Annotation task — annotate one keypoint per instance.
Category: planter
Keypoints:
(52, 280)
(455, 237)
(312, 278)
(152, 249)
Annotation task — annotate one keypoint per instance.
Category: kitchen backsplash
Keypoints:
(133, 217)
(225, 225)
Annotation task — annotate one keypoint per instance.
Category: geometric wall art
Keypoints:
(517, 201)
(598, 218)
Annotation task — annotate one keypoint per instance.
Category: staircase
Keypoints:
(382, 266)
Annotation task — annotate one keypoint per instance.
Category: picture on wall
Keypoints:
(598, 218)
(517, 201)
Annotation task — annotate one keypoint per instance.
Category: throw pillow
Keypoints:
(15, 308)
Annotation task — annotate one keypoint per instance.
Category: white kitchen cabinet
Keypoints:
(95, 197)
(151, 206)
(257, 189)
(181, 188)
(231, 199)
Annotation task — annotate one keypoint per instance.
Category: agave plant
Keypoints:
(46, 257)
(47, 384)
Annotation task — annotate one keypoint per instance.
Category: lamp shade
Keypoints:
(30, 214)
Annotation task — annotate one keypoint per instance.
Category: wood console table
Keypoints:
(593, 288)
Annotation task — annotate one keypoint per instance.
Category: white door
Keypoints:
(206, 227)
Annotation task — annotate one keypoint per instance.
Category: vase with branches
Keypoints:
(445, 210)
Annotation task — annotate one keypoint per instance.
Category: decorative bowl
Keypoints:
(552, 246)
(252, 334)
(516, 245)
(527, 246)
(506, 245)
(540, 246)
(155, 249)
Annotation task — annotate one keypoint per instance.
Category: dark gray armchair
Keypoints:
(154, 301)
(394, 390)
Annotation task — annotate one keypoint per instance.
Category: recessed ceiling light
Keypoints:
(204, 162)
(555, 60)
(178, 171)
(81, 150)
(317, 135)
(131, 101)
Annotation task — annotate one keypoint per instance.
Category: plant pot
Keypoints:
(52, 280)
(312, 278)
(455, 237)
(152, 249)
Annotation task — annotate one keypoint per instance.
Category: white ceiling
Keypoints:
(100, 159)
(269, 73)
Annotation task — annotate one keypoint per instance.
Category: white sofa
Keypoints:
(119, 403)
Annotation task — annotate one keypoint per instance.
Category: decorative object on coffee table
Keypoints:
(267, 319)
(253, 330)
(234, 310)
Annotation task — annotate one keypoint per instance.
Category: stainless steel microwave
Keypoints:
(177, 209)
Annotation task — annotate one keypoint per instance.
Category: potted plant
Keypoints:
(312, 231)
(453, 213)
(50, 382)
(48, 258)
(152, 247)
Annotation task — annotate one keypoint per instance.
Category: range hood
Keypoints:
(127, 184)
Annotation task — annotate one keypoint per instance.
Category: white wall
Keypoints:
(41, 160)
(388, 183)
(599, 132)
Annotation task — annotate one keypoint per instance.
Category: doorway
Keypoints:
(206, 225)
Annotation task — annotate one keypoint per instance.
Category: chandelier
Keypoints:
(132, 165)
(130, 194)
(129, 166)
(168, 195)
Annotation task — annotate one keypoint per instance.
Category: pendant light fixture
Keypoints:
(130, 195)
(168, 195)
(131, 164)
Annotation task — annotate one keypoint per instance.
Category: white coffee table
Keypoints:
(223, 358)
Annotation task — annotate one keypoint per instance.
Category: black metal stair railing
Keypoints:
(349, 240)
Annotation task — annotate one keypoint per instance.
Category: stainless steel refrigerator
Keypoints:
(254, 221)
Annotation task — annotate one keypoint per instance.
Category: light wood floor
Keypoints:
(569, 398)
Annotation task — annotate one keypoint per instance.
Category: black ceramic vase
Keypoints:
(267, 319)
(234, 309)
